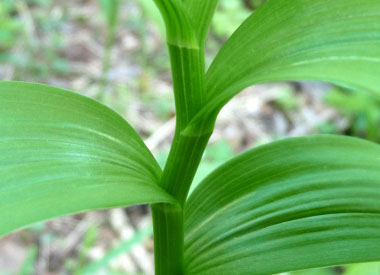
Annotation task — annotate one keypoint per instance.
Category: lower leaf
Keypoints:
(63, 153)
(294, 204)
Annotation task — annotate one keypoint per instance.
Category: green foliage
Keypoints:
(62, 153)
(229, 17)
(214, 156)
(296, 40)
(286, 100)
(293, 204)
(286, 201)
(10, 26)
(362, 110)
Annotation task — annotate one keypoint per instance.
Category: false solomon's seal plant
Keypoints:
(292, 204)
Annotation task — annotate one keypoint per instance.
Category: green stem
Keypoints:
(183, 161)
(188, 80)
(168, 239)
(182, 164)
(188, 71)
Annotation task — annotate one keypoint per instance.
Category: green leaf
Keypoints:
(201, 13)
(63, 153)
(179, 29)
(335, 41)
(289, 205)
(187, 22)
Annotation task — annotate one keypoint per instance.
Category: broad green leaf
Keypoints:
(179, 29)
(289, 205)
(335, 41)
(201, 13)
(63, 153)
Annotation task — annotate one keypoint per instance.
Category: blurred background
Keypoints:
(114, 52)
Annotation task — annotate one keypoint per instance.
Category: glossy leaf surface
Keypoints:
(293, 204)
(334, 41)
(63, 153)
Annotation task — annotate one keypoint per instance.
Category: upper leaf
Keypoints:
(335, 41)
(187, 22)
(201, 13)
(179, 29)
(294, 204)
(62, 153)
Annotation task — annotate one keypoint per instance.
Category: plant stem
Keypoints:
(184, 158)
(168, 239)
(182, 164)
(185, 155)
(188, 80)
